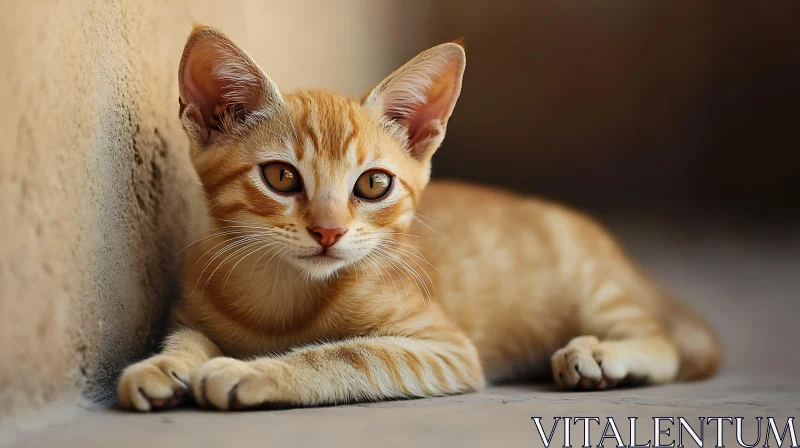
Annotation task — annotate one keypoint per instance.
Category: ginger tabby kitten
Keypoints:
(315, 283)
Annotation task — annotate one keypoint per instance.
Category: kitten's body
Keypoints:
(477, 284)
(522, 277)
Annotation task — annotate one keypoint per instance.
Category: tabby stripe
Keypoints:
(393, 370)
(411, 192)
(360, 152)
(306, 126)
(356, 360)
(441, 380)
(212, 182)
(452, 368)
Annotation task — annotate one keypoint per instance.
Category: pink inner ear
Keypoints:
(200, 87)
(438, 101)
(434, 109)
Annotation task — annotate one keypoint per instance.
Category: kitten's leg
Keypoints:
(162, 381)
(361, 369)
(627, 343)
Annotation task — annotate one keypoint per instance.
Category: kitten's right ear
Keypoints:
(221, 89)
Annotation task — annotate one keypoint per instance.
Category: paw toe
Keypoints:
(573, 367)
(612, 368)
(216, 382)
(584, 364)
(155, 383)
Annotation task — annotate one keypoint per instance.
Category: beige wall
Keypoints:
(96, 191)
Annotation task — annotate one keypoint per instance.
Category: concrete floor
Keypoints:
(747, 286)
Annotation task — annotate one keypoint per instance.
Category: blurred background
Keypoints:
(666, 108)
(676, 123)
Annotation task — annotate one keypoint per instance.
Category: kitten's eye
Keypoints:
(373, 184)
(282, 177)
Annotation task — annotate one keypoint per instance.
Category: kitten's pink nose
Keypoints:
(326, 237)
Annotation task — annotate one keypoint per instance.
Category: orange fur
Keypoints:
(521, 286)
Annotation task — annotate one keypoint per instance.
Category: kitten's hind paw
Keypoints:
(159, 382)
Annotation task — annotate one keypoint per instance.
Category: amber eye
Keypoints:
(373, 184)
(282, 177)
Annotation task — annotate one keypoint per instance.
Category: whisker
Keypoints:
(259, 259)
(281, 251)
(216, 201)
(402, 251)
(194, 221)
(402, 234)
(225, 241)
(280, 260)
(225, 260)
(301, 275)
(418, 254)
(414, 275)
(243, 223)
(392, 263)
(399, 276)
(428, 218)
(243, 226)
(367, 258)
(360, 265)
(214, 235)
(419, 219)
(247, 252)
(293, 128)
(238, 242)
(386, 238)
(230, 272)
(382, 268)
(230, 241)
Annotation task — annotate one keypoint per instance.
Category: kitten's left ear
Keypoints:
(420, 96)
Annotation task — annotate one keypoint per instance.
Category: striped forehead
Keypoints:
(329, 146)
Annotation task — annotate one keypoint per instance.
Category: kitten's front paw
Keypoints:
(159, 382)
(227, 384)
(585, 364)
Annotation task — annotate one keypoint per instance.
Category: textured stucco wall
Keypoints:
(96, 191)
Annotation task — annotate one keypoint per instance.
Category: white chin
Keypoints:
(319, 267)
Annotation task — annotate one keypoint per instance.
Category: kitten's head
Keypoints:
(323, 178)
